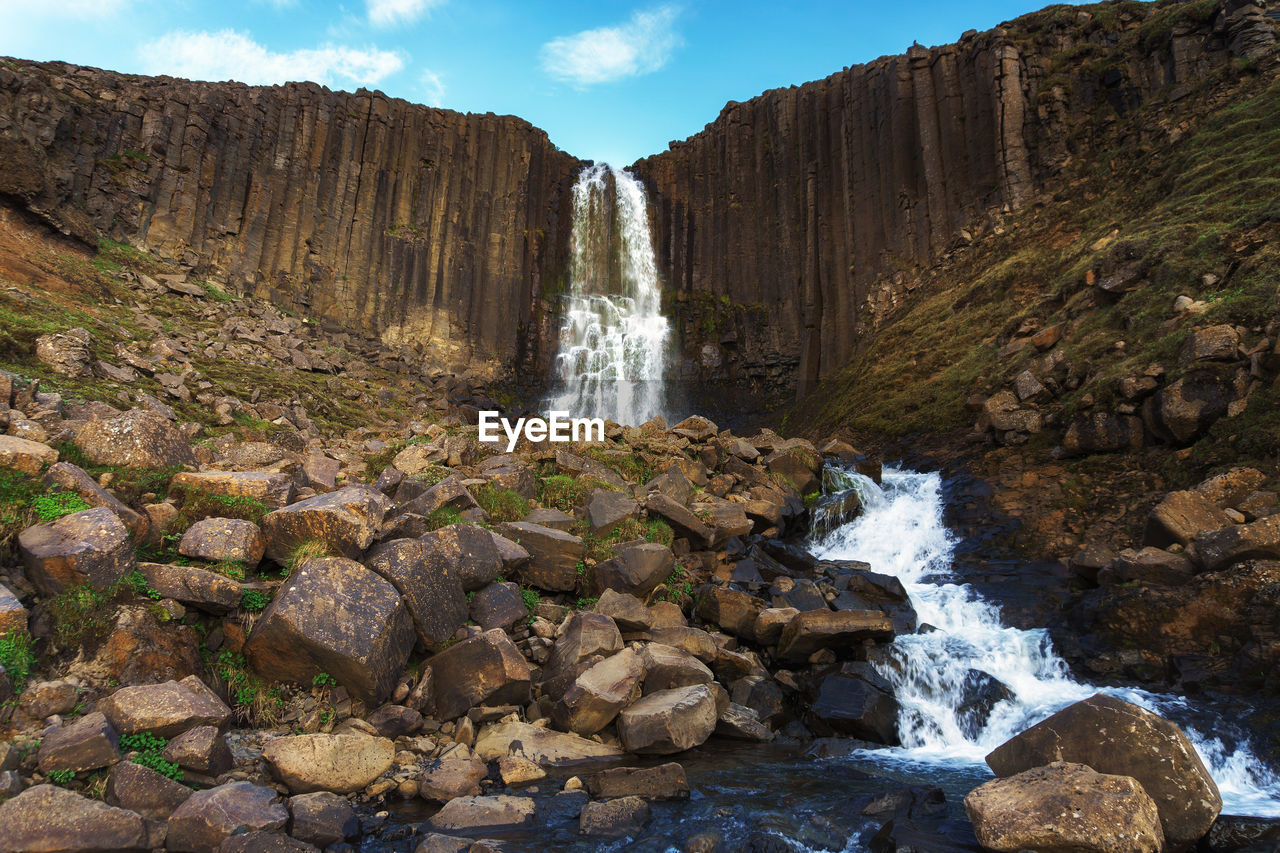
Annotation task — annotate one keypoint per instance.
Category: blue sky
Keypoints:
(607, 80)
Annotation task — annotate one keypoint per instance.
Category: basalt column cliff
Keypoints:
(812, 205)
(433, 229)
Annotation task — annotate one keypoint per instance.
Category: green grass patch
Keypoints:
(148, 749)
(501, 504)
(17, 657)
(254, 600)
(54, 505)
(253, 699)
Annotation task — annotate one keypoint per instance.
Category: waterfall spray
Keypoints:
(613, 339)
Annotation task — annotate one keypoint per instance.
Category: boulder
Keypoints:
(219, 539)
(483, 670)
(484, 814)
(549, 517)
(1115, 737)
(334, 616)
(733, 610)
(839, 630)
(341, 763)
(663, 782)
(596, 696)
(431, 591)
(136, 439)
(393, 721)
(165, 710)
(76, 480)
(684, 523)
(24, 456)
(1257, 539)
(347, 521)
(667, 668)
(545, 746)
(855, 700)
(1210, 343)
(1151, 566)
(669, 721)
(614, 818)
(1065, 808)
(202, 589)
(210, 817)
(13, 616)
(762, 695)
(86, 744)
(771, 621)
(322, 818)
(141, 789)
(626, 611)
(49, 818)
(499, 605)
(451, 776)
(1180, 517)
(67, 353)
(1229, 488)
(606, 509)
(203, 750)
(1183, 411)
(739, 722)
(554, 555)
(695, 641)
(517, 770)
(449, 492)
(264, 842)
(800, 467)
(89, 547)
(473, 555)
(636, 570)
(584, 635)
(139, 648)
(1102, 432)
(271, 489)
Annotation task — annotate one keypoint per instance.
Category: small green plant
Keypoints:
(80, 613)
(52, 506)
(137, 581)
(61, 777)
(307, 550)
(253, 699)
(324, 679)
(214, 293)
(16, 657)
(586, 603)
(254, 600)
(443, 517)
(233, 569)
(531, 598)
(148, 749)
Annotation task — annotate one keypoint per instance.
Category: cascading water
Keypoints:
(936, 675)
(614, 338)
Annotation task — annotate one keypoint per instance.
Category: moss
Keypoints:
(501, 504)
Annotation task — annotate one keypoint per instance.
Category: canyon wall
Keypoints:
(811, 206)
(435, 230)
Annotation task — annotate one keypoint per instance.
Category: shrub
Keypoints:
(254, 700)
(324, 679)
(443, 517)
(531, 598)
(254, 600)
(61, 777)
(137, 581)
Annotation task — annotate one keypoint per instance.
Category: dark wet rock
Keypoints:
(739, 722)
(499, 605)
(1184, 410)
(1257, 539)
(980, 693)
(1233, 834)
(334, 616)
(614, 818)
(663, 782)
(322, 819)
(265, 842)
(393, 721)
(1103, 432)
(484, 814)
(1150, 566)
(856, 700)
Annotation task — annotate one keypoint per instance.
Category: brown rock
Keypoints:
(664, 782)
(25, 457)
(668, 668)
(596, 696)
(86, 744)
(73, 479)
(270, 489)
(219, 539)
(89, 547)
(669, 721)
(334, 616)
(613, 819)
(203, 750)
(733, 610)
(685, 524)
(322, 819)
(1103, 432)
(554, 555)
(210, 817)
(165, 710)
(1180, 517)
(626, 611)
(829, 629)
(484, 814)
(637, 570)
(545, 746)
(50, 818)
(141, 789)
(586, 634)
(67, 353)
(203, 589)
(484, 670)
(342, 763)
(1220, 548)
(136, 439)
(452, 776)
(346, 521)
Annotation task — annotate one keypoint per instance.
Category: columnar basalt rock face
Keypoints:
(432, 228)
(810, 206)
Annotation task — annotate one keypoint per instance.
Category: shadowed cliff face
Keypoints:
(436, 230)
(807, 205)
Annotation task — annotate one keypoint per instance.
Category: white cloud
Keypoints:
(386, 13)
(640, 46)
(432, 88)
(229, 55)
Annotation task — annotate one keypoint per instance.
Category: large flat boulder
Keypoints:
(49, 818)
(484, 814)
(1118, 738)
(451, 776)
(483, 670)
(855, 700)
(554, 555)
(664, 782)
(269, 488)
(141, 789)
(1065, 808)
(89, 547)
(840, 630)
(669, 721)
(136, 439)
(347, 521)
(210, 817)
(322, 819)
(86, 744)
(547, 747)
(334, 616)
(342, 763)
(1180, 517)
(166, 710)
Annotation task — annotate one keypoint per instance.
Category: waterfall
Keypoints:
(613, 339)
(938, 676)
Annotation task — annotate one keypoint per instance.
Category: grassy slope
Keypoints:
(1205, 203)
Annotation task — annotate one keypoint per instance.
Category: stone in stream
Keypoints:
(855, 700)
(210, 817)
(341, 763)
(483, 670)
(554, 555)
(669, 721)
(88, 547)
(453, 775)
(613, 818)
(346, 521)
(337, 617)
(1116, 737)
(544, 746)
(664, 782)
(484, 814)
(1065, 808)
(980, 693)
(322, 819)
(828, 629)
(49, 818)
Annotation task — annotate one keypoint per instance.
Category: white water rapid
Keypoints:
(613, 340)
(901, 533)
